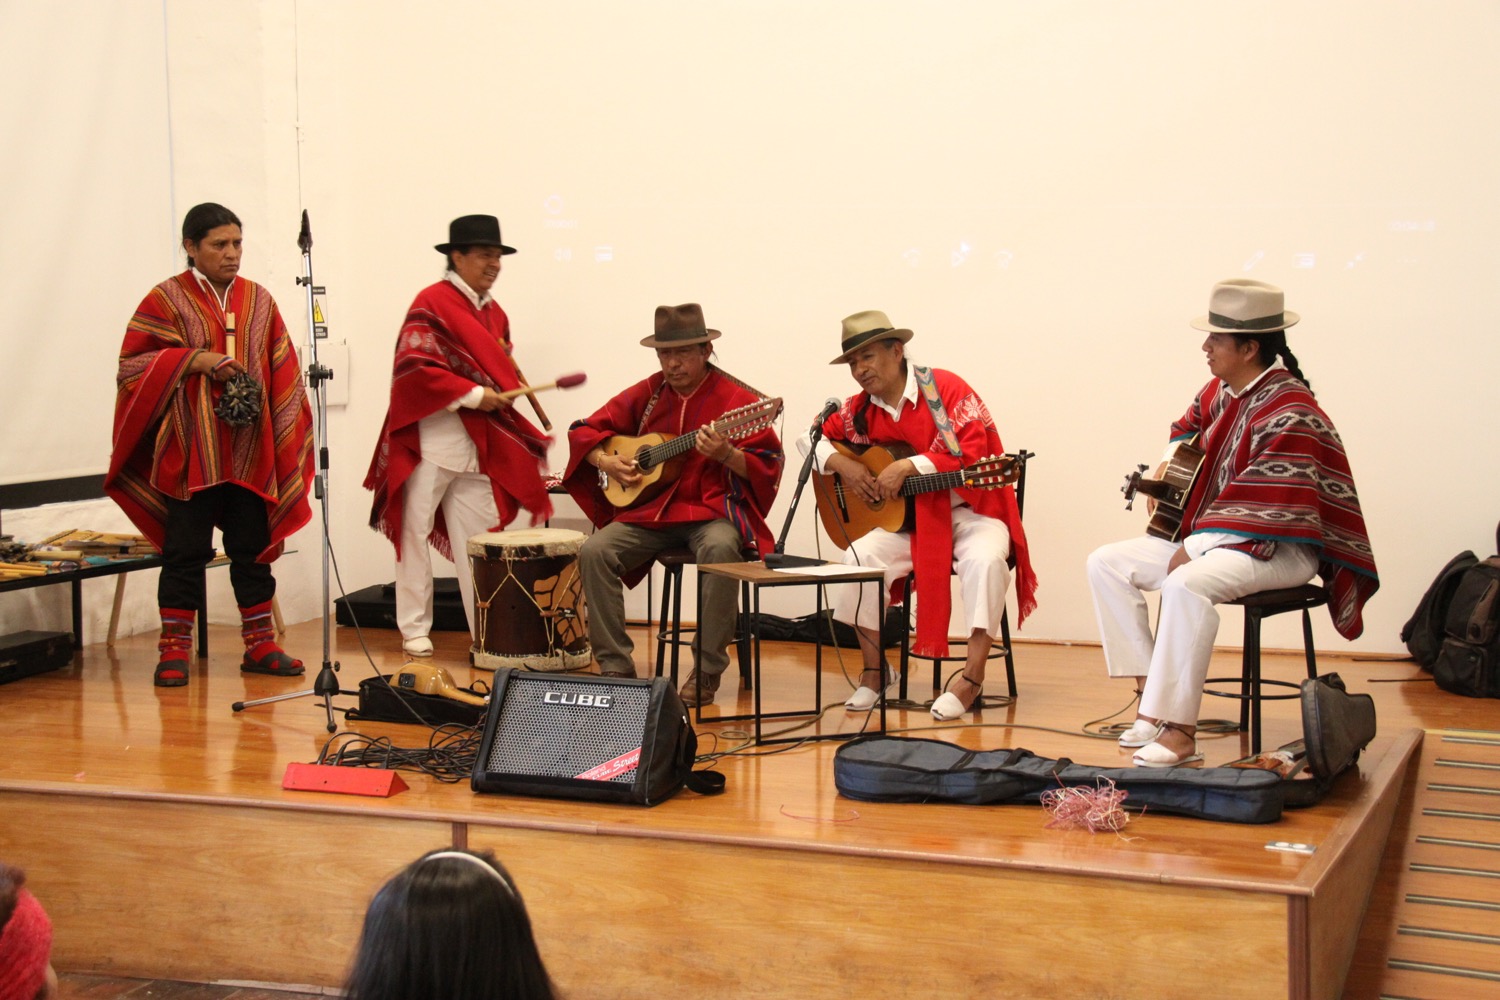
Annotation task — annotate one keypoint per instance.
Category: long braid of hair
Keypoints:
(1273, 345)
(1290, 360)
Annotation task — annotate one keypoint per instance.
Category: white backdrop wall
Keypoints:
(1043, 192)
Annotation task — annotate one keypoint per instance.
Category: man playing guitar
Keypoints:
(1273, 504)
(968, 531)
(715, 503)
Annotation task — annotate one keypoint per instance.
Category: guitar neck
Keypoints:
(931, 482)
(684, 443)
(679, 445)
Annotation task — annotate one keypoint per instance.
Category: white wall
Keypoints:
(1043, 192)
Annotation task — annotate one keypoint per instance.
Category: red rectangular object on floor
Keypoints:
(345, 780)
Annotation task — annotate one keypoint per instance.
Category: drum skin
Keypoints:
(528, 600)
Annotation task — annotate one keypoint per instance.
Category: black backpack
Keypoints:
(1457, 626)
(1424, 632)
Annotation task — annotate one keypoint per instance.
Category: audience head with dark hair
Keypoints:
(450, 925)
(25, 941)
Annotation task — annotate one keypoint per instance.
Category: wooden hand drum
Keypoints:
(528, 600)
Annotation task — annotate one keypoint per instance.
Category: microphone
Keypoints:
(830, 406)
(304, 238)
(777, 557)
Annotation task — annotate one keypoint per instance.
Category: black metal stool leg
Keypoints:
(1307, 644)
(1252, 672)
(742, 640)
(676, 623)
(1010, 659)
(669, 573)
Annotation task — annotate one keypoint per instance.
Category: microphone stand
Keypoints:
(777, 558)
(327, 683)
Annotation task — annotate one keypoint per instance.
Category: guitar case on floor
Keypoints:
(375, 607)
(1336, 727)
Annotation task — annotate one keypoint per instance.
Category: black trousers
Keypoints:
(241, 516)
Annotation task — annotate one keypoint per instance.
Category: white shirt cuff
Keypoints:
(468, 400)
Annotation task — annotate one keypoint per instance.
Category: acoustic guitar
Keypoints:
(659, 457)
(848, 517)
(1167, 491)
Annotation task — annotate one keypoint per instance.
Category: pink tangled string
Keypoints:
(1091, 809)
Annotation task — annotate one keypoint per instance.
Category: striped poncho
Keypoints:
(1274, 471)
(445, 348)
(167, 440)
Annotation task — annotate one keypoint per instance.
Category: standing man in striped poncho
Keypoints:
(178, 469)
(454, 457)
(1273, 505)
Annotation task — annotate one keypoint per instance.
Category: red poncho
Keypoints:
(167, 440)
(932, 544)
(705, 489)
(1274, 469)
(446, 347)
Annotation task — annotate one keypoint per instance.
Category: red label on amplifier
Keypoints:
(603, 772)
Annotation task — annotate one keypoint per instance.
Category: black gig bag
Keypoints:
(901, 769)
(1336, 727)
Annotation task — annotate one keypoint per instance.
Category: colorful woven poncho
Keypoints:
(445, 348)
(1274, 470)
(167, 440)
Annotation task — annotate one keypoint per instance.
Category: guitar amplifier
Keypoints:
(23, 654)
(585, 737)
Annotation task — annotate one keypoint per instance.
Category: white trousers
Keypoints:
(1175, 661)
(468, 506)
(980, 547)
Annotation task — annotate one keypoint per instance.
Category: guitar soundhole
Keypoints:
(644, 460)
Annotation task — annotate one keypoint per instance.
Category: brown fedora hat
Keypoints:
(865, 328)
(474, 231)
(1245, 306)
(677, 326)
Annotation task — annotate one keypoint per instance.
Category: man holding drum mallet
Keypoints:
(455, 459)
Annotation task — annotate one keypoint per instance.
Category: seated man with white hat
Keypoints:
(1272, 504)
(967, 531)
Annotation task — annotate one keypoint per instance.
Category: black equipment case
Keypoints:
(23, 654)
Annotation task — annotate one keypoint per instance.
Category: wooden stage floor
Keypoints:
(155, 829)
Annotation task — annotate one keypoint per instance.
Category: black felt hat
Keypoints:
(474, 231)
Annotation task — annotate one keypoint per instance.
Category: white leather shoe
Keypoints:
(946, 707)
(1155, 755)
(1140, 733)
(420, 646)
(864, 699)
